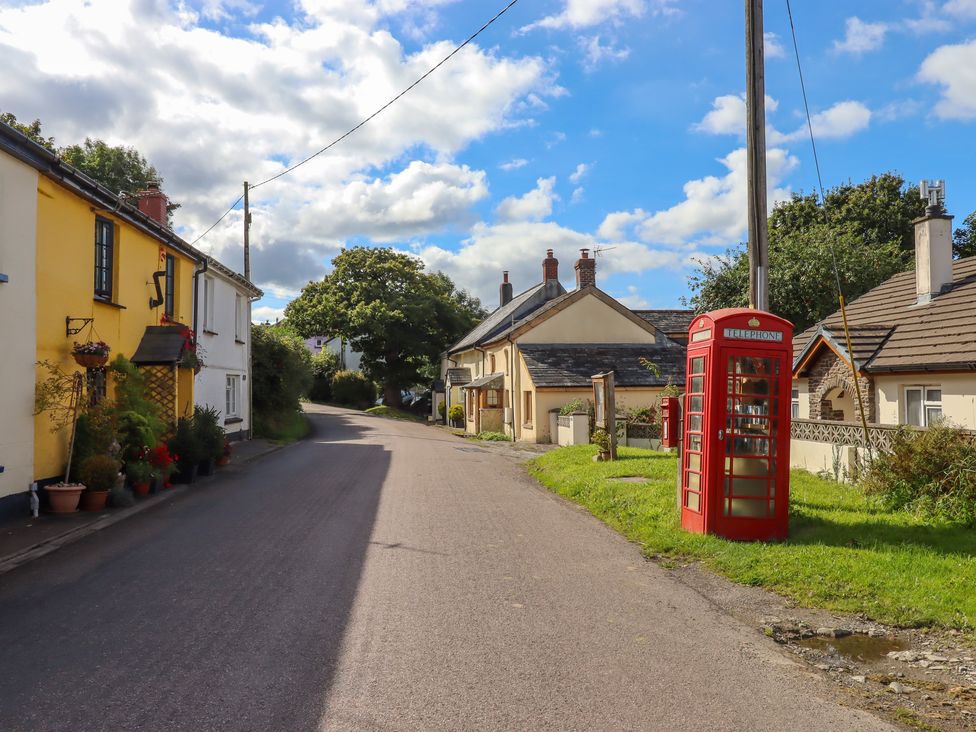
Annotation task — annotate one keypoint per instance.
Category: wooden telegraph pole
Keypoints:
(756, 153)
(247, 234)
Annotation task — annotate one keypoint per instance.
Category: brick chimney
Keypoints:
(550, 275)
(504, 291)
(933, 253)
(585, 270)
(152, 202)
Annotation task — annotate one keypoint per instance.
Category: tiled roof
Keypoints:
(573, 364)
(668, 321)
(488, 380)
(891, 332)
(516, 309)
(458, 376)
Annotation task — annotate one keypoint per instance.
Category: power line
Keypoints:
(232, 207)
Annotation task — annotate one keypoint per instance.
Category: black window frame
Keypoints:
(104, 258)
(169, 295)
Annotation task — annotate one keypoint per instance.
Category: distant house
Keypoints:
(913, 340)
(537, 351)
(223, 324)
(349, 359)
(672, 323)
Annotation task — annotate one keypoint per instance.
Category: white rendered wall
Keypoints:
(18, 227)
(225, 353)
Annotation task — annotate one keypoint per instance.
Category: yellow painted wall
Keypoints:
(958, 397)
(588, 320)
(65, 287)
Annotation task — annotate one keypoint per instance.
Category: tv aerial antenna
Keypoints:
(597, 251)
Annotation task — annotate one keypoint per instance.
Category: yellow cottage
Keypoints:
(110, 270)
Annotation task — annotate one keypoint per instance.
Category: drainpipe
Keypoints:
(196, 293)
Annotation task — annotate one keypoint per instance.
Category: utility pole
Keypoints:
(756, 154)
(247, 234)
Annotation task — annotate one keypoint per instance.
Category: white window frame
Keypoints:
(232, 396)
(208, 304)
(795, 403)
(927, 402)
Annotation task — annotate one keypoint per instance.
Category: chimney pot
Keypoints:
(504, 291)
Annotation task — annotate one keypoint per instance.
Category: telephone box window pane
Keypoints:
(752, 405)
(698, 365)
(694, 481)
(750, 466)
(695, 422)
(760, 387)
(694, 442)
(694, 461)
(750, 425)
(749, 487)
(749, 508)
(692, 501)
(695, 403)
(697, 384)
(750, 365)
(751, 446)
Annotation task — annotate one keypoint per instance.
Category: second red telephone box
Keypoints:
(736, 458)
(670, 422)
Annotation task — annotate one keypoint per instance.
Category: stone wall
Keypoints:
(828, 372)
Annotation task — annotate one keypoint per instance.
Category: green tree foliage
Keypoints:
(120, 169)
(869, 226)
(281, 374)
(397, 315)
(32, 130)
(325, 364)
(964, 238)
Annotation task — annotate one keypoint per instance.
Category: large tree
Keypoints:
(867, 226)
(32, 130)
(399, 316)
(964, 238)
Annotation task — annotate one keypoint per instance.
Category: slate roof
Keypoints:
(518, 308)
(668, 321)
(160, 344)
(488, 380)
(573, 364)
(891, 332)
(458, 376)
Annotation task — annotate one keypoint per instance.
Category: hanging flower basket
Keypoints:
(91, 355)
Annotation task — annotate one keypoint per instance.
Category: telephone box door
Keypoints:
(753, 468)
(695, 452)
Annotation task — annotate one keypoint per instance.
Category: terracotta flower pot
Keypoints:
(141, 489)
(94, 500)
(223, 460)
(91, 360)
(64, 497)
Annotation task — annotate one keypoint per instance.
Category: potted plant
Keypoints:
(190, 356)
(98, 473)
(224, 458)
(64, 497)
(601, 438)
(91, 355)
(185, 451)
(163, 467)
(441, 410)
(209, 436)
(140, 475)
(456, 415)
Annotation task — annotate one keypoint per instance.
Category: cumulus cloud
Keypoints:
(533, 206)
(728, 115)
(578, 194)
(773, 46)
(266, 314)
(514, 164)
(861, 37)
(713, 210)
(577, 175)
(953, 67)
(961, 8)
(596, 53)
(587, 13)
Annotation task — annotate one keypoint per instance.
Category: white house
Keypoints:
(348, 359)
(18, 220)
(223, 323)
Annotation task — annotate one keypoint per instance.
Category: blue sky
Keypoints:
(570, 123)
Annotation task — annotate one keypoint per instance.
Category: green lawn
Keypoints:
(391, 413)
(843, 553)
(282, 428)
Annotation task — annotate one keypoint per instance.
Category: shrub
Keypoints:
(281, 375)
(931, 472)
(183, 446)
(644, 415)
(353, 389)
(95, 434)
(577, 405)
(135, 433)
(601, 438)
(494, 437)
(325, 365)
(456, 413)
(208, 432)
(131, 396)
(99, 472)
(138, 471)
(441, 409)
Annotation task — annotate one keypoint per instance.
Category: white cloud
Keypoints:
(514, 164)
(555, 138)
(726, 117)
(953, 67)
(587, 13)
(595, 132)
(267, 314)
(713, 210)
(961, 8)
(633, 299)
(577, 175)
(861, 37)
(596, 53)
(533, 206)
(615, 225)
(773, 46)
(577, 196)
(839, 121)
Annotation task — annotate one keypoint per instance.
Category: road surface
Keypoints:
(381, 576)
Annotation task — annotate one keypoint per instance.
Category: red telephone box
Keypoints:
(736, 459)
(670, 426)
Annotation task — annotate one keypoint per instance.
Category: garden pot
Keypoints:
(94, 500)
(141, 489)
(186, 475)
(206, 467)
(90, 360)
(223, 461)
(64, 497)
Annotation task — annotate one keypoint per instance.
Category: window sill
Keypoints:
(233, 420)
(527, 426)
(111, 304)
(240, 342)
(210, 332)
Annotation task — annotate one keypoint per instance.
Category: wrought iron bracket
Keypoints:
(70, 330)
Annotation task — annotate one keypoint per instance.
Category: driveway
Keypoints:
(381, 576)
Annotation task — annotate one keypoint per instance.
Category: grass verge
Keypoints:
(283, 428)
(843, 553)
(392, 413)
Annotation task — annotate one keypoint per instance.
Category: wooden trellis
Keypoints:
(160, 383)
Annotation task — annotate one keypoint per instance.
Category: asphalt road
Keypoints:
(381, 576)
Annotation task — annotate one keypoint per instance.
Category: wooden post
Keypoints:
(611, 414)
(756, 155)
(247, 233)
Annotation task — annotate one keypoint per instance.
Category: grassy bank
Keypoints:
(843, 553)
(284, 427)
(391, 413)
